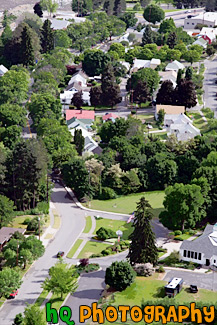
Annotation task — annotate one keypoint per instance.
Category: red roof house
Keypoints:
(110, 117)
(87, 117)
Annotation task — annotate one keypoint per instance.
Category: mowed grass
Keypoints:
(92, 247)
(127, 204)
(199, 122)
(41, 298)
(74, 248)
(18, 222)
(115, 225)
(148, 118)
(57, 220)
(88, 225)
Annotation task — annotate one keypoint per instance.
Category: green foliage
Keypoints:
(62, 39)
(148, 75)
(210, 50)
(148, 36)
(33, 315)
(167, 26)
(18, 320)
(110, 89)
(119, 275)
(142, 248)
(49, 5)
(107, 193)
(95, 62)
(47, 37)
(119, 48)
(79, 141)
(82, 8)
(153, 14)
(186, 94)
(10, 280)
(6, 211)
(129, 19)
(160, 117)
(104, 233)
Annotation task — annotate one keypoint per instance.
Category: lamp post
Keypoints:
(119, 233)
(17, 253)
(39, 228)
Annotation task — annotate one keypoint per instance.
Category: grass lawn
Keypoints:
(147, 118)
(74, 248)
(41, 298)
(49, 236)
(92, 247)
(127, 204)
(88, 225)
(2, 300)
(115, 225)
(18, 221)
(183, 236)
(161, 254)
(198, 121)
(56, 224)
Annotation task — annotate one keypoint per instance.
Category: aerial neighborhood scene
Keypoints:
(108, 162)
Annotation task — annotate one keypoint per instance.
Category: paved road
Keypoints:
(210, 88)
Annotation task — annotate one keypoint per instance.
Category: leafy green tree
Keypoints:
(79, 141)
(147, 75)
(82, 7)
(142, 248)
(77, 100)
(104, 233)
(47, 37)
(18, 320)
(184, 206)
(62, 39)
(119, 48)
(62, 279)
(186, 94)
(172, 40)
(141, 93)
(76, 176)
(167, 26)
(148, 36)
(34, 245)
(119, 275)
(108, 6)
(10, 280)
(26, 257)
(173, 54)
(110, 89)
(130, 181)
(12, 114)
(119, 7)
(33, 315)
(6, 211)
(95, 62)
(192, 56)
(166, 93)
(49, 5)
(153, 14)
(96, 96)
(6, 34)
(129, 19)
(33, 21)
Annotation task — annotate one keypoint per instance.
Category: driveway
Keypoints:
(202, 280)
(209, 86)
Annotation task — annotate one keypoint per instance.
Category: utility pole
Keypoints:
(17, 253)
(39, 228)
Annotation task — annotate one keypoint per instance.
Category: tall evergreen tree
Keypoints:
(186, 94)
(172, 40)
(109, 7)
(79, 141)
(188, 73)
(26, 47)
(147, 37)
(96, 96)
(141, 93)
(119, 7)
(47, 37)
(166, 93)
(110, 89)
(179, 76)
(142, 248)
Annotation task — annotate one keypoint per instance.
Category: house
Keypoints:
(202, 250)
(80, 78)
(170, 75)
(174, 65)
(125, 64)
(75, 123)
(202, 42)
(85, 116)
(183, 131)
(66, 96)
(205, 18)
(3, 70)
(208, 34)
(176, 118)
(58, 24)
(6, 234)
(169, 109)
(139, 64)
(154, 63)
(109, 117)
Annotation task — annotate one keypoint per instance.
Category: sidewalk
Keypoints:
(50, 232)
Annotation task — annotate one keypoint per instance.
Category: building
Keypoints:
(208, 34)
(140, 64)
(109, 117)
(202, 42)
(6, 234)
(205, 18)
(66, 96)
(169, 109)
(170, 119)
(80, 78)
(85, 116)
(126, 65)
(202, 250)
(3, 70)
(170, 75)
(183, 131)
(58, 24)
(174, 65)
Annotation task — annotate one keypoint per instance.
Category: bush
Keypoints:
(172, 259)
(160, 269)
(43, 207)
(26, 221)
(125, 43)
(33, 225)
(104, 233)
(137, 7)
(179, 238)
(119, 275)
(177, 232)
(107, 194)
(84, 261)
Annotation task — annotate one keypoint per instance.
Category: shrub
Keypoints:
(43, 207)
(107, 194)
(119, 275)
(160, 269)
(26, 221)
(179, 238)
(192, 232)
(177, 232)
(33, 224)
(84, 261)
(104, 233)
(172, 259)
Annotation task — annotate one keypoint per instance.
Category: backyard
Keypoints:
(127, 204)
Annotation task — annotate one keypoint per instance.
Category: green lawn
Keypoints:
(57, 221)
(18, 221)
(127, 204)
(88, 225)
(183, 236)
(198, 121)
(92, 247)
(115, 225)
(41, 298)
(148, 118)
(171, 10)
(74, 248)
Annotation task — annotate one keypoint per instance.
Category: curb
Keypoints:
(182, 269)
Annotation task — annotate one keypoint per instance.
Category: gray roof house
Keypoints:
(202, 250)
(175, 65)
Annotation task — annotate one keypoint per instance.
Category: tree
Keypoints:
(141, 93)
(119, 7)
(167, 26)
(6, 35)
(110, 89)
(34, 245)
(210, 50)
(25, 256)
(47, 37)
(188, 73)
(62, 279)
(119, 275)
(6, 211)
(119, 48)
(172, 40)
(49, 5)
(38, 9)
(160, 117)
(192, 56)
(153, 14)
(79, 141)
(18, 320)
(95, 169)
(82, 7)
(166, 93)
(129, 19)
(186, 94)
(27, 48)
(10, 280)
(33, 315)
(77, 100)
(62, 39)
(148, 75)
(95, 62)
(142, 248)
(183, 204)
(108, 6)
(96, 96)
(147, 37)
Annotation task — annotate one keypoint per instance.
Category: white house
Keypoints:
(66, 97)
(202, 250)
(183, 131)
(205, 18)
(174, 65)
(170, 119)
(138, 64)
(154, 63)
(3, 70)
(79, 77)
(202, 42)
(170, 75)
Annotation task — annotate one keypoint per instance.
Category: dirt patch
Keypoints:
(11, 4)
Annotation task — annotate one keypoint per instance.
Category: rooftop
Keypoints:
(171, 109)
(7, 232)
(80, 114)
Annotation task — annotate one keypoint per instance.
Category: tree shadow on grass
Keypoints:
(160, 293)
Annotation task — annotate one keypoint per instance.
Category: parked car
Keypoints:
(193, 288)
(13, 294)
(60, 254)
(189, 16)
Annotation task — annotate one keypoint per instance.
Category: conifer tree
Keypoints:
(79, 141)
(142, 248)
(166, 93)
(147, 37)
(119, 7)
(27, 47)
(47, 37)
(110, 89)
(172, 40)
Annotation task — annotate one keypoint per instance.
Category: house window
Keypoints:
(189, 254)
(199, 256)
(195, 256)
(187, 23)
(184, 253)
(214, 261)
(192, 254)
